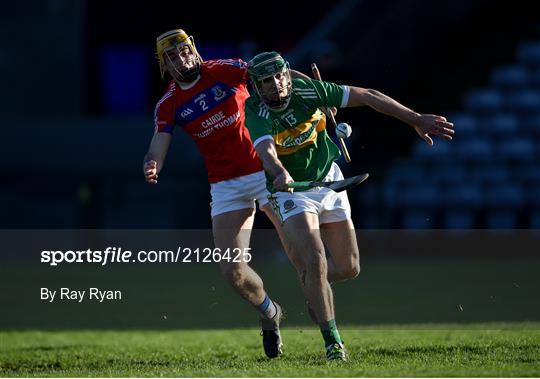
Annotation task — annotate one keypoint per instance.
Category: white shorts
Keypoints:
(329, 205)
(238, 193)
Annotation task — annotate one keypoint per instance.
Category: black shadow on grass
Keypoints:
(405, 352)
(50, 348)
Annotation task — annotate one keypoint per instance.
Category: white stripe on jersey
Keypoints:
(263, 111)
(345, 99)
(165, 97)
(168, 94)
(262, 138)
(222, 62)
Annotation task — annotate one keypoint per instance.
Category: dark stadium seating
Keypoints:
(529, 54)
(489, 175)
(510, 77)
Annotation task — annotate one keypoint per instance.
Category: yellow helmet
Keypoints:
(177, 39)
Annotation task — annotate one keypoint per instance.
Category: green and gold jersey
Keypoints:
(299, 131)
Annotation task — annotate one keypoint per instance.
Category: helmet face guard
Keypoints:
(271, 77)
(178, 56)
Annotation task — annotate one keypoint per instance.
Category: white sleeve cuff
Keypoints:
(345, 100)
(260, 139)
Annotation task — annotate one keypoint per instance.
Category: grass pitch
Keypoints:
(455, 317)
(471, 350)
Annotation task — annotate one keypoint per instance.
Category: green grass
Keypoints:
(432, 317)
(472, 350)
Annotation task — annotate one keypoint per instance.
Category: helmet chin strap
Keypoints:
(190, 77)
(281, 104)
(187, 85)
(284, 105)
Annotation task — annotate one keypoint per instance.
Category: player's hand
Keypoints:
(150, 171)
(281, 181)
(333, 110)
(430, 124)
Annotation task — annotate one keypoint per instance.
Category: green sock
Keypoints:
(330, 333)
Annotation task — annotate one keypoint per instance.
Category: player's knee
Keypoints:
(352, 271)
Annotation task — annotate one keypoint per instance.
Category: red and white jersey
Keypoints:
(212, 113)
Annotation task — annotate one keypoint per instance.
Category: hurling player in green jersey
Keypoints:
(289, 133)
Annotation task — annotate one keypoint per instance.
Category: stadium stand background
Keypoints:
(80, 81)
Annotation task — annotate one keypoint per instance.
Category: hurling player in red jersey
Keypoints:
(206, 100)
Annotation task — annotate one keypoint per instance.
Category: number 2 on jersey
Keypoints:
(203, 105)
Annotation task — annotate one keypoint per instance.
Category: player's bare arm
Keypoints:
(155, 157)
(424, 124)
(266, 150)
